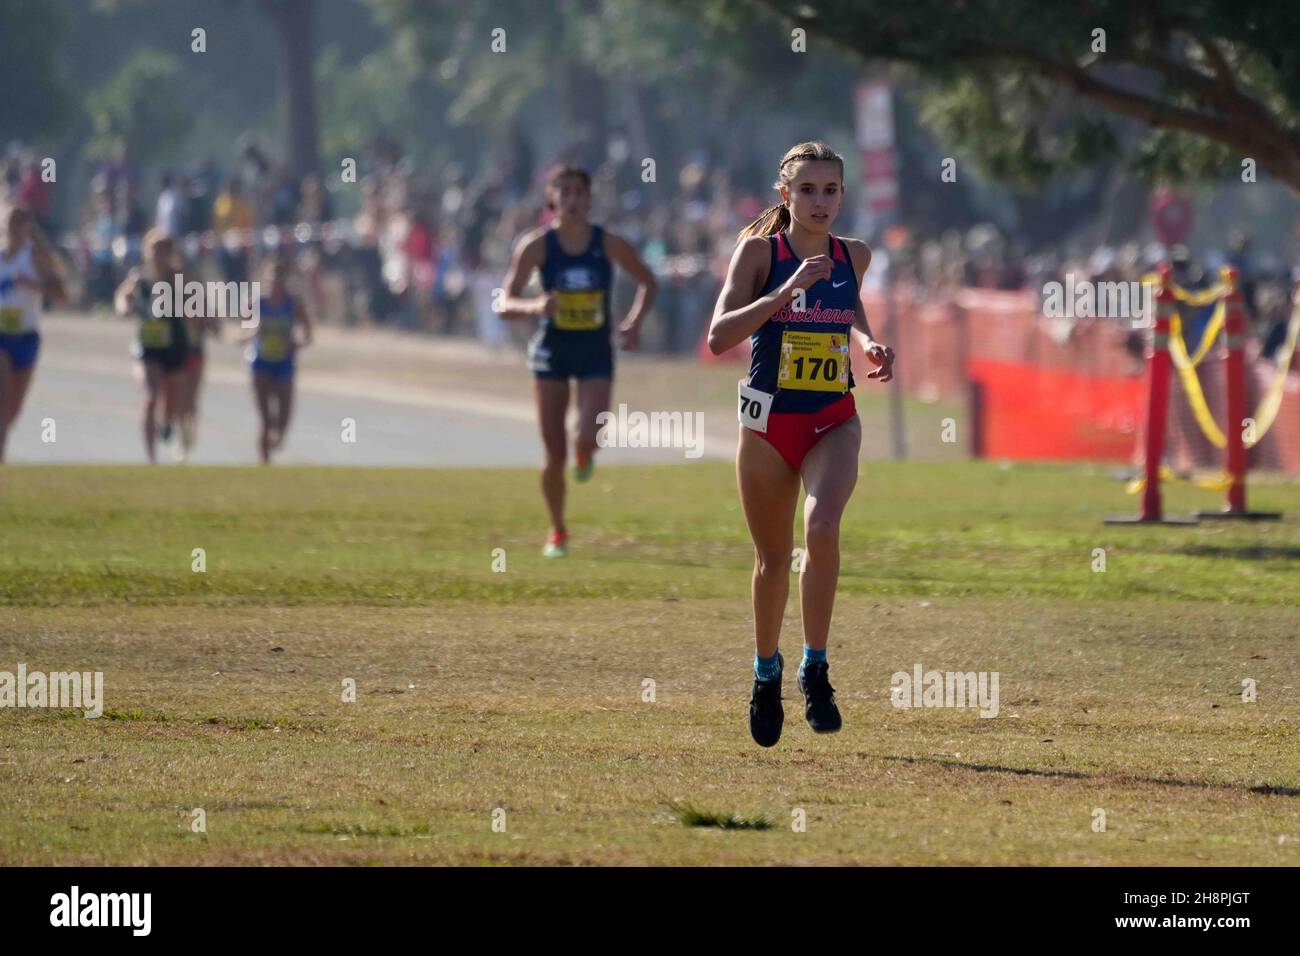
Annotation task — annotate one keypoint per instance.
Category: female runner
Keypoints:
(28, 271)
(575, 259)
(273, 355)
(792, 289)
(161, 339)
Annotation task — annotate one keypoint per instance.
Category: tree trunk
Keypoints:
(583, 102)
(585, 113)
(293, 20)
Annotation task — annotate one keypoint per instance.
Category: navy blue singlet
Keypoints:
(802, 358)
(582, 284)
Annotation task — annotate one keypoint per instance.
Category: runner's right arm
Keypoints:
(529, 254)
(738, 313)
(125, 291)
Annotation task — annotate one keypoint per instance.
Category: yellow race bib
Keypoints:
(272, 347)
(156, 333)
(11, 320)
(579, 311)
(814, 361)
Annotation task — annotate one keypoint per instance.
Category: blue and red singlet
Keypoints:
(799, 372)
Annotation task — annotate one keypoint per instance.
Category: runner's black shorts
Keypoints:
(171, 359)
(564, 357)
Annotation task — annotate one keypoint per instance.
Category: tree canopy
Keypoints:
(1032, 88)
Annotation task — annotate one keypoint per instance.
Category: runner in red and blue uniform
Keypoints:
(792, 289)
(575, 260)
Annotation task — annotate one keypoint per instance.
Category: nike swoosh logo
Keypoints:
(818, 431)
(836, 285)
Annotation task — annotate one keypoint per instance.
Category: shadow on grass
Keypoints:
(1265, 789)
(1250, 552)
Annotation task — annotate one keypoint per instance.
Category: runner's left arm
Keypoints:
(620, 251)
(880, 355)
(46, 266)
(301, 317)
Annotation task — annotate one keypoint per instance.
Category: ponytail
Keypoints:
(769, 222)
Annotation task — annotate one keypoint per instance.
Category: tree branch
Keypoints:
(1270, 142)
(1245, 125)
(1219, 62)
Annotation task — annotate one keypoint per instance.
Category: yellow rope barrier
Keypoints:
(1192, 383)
(1211, 333)
(1266, 414)
(1194, 299)
(1221, 483)
(1186, 366)
(1269, 405)
(1198, 299)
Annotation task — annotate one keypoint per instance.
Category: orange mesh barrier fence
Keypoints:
(1031, 412)
(1068, 389)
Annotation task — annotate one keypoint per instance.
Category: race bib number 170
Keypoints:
(814, 361)
(754, 408)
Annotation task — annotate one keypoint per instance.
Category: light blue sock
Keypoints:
(767, 668)
(811, 657)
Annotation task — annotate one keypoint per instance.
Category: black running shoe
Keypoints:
(766, 716)
(819, 698)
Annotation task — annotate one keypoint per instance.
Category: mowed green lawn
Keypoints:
(520, 697)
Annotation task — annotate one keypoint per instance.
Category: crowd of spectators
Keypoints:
(425, 249)
(402, 246)
(983, 258)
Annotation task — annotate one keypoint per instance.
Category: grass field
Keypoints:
(522, 691)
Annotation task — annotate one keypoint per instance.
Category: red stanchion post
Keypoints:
(1234, 334)
(1158, 366)
(1234, 453)
(1157, 397)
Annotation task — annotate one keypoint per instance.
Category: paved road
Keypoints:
(87, 383)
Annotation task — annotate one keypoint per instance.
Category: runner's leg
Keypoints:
(153, 384)
(830, 470)
(6, 385)
(262, 395)
(16, 393)
(284, 408)
(769, 493)
(171, 393)
(593, 398)
(552, 398)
